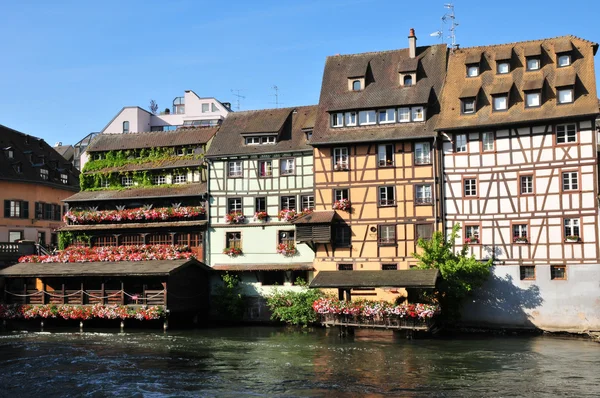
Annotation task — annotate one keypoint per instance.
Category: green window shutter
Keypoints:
(24, 209)
(7, 208)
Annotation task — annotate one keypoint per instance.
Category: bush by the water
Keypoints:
(228, 300)
(294, 307)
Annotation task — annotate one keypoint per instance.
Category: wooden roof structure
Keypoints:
(412, 278)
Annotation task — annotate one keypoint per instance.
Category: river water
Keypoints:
(269, 361)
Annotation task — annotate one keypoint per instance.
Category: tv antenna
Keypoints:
(277, 103)
(448, 17)
(238, 97)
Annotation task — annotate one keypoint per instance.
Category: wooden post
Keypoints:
(25, 298)
(44, 292)
(82, 294)
(341, 294)
(348, 294)
(64, 299)
(102, 300)
(164, 285)
(144, 298)
(122, 293)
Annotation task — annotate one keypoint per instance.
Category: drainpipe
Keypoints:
(207, 233)
(435, 206)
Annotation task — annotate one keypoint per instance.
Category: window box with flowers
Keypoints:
(572, 239)
(520, 239)
(473, 240)
(235, 218)
(261, 216)
(341, 166)
(287, 249)
(342, 204)
(232, 251)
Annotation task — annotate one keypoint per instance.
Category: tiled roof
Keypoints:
(133, 225)
(265, 267)
(316, 217)
(66, 151)
(382, 90)
(32, 154)
(155, 139)
(415, 278)
(580, 73)
(192, 189)
(287, 123)
(153, 165)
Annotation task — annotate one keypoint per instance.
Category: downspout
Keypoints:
(207, 233)
(435, 180)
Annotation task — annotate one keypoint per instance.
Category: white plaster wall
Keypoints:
(139, 121)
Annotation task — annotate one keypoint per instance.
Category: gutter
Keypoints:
(206, 250)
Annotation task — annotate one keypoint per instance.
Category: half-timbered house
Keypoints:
(261, 178)
(376, 160)
(520, 168)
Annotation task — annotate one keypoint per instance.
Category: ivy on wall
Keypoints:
(112, 181)
(145, 155)
(67, 238)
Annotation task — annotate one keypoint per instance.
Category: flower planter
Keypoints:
(83, 217)
(343, 204)
(235, 218)
(232, 251)
(520, 240)
(287, 249)
(572, 239)
(261, 216)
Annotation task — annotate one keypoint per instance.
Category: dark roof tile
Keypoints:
(192, 189)
(264, 267)
(412, 278)
(180, 137)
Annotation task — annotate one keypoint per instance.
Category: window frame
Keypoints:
(483, 142)
(19, 231)
(470, 67)
(354, 82)
(308, 207)
(425, 160)
(126, 127)
(340, 165)
(524, 277)
(464, 187)
(566, 134)
(286, 239)
(180, 178)
(233, 172)
(257, 207)
(497, 97)
(156, 179)
(463, 103)
(528, 68)
(466, 226)
(571, 186)
(268, 166)
(234, 201)
(499, 64)
(44, 174)
(520, 188)
(431, 225)
(520, 224)
(572, 229)
(389, 240)
(533, 92)
(340, 190)
(413, 113)
(345, 266)
(251, 141)
(126, 181)
(404, 109)
(569, 58)
(386, 162)
(287, 161)
(288, 199)
(368, 112)
(235, 242)
(386, 190)
(466, 144)
(387, 114)
(348, 117)
(570, 89)
(419, 202)
(336, 122)
(389, 266)
(342, 243)
(553, 269)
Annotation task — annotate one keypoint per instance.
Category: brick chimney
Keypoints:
(412, 43)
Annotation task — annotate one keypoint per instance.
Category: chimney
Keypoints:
(412, 43)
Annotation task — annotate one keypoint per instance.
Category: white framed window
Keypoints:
(340, 158)
(339, 194)
(159, 180)
(526, 185)
(472, 232)
(423, 194)
(64, 178)
(127, 181)
(387, 196)
(252, 140)
(422, 153)
(44, 174)
(470, 186)
(565, 96)
(468, 105)
(179, 178)
(418, 114)
(356, 86)
(367, 117)
(337, 120)
(387, 234)
(533, 63)
(500, 103)
(181, 151)
(404, 115)
(214, 107)
(460, 143)
(307, 202)
(288, 203)
(234, 168)
(519, 231)
(503, 68)
(125, 127)
(570, 181)
(572, 227)
(104, 182)
(288, 166)
(234, 205)
(205, 108)
(265, 168)
(487, 141)
(533, 100)
(472, 70)
(385, 155)
(387, 116)
(269, 139)
(566, 133)
(350, 118)
(564, 60)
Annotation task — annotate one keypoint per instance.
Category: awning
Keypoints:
(412, 278)
(117, 268)
(264, 267)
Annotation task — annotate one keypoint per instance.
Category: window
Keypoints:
(64, 178)
(48, 211)
(500, 103)
(407, 80)
(125, 127)
(472, 70)
(127, 181)
(288, 166)
(423, 194)
(424, 231)
(565, 95)
(389, 267)
(460, 143)
(337, 120)
(470, 186)
(404, 115)
(307, 202)
(387, 235)
(533, 63)
(179, 178)
(288, 203)
(356, 85)
(17, 168)
(260, 204)
(342, 236)
(570, 181)
(39, 211)
(270, 139)
(519, 233)
(533, 100)
(10, 154)
(387, 116)
(468, 105)
(502, 68)
(367, 117)
(387, 196)
(265, 168)
(422, 153)
(418, 114)
(234, 240)
(214, 108)
(564, 60)
(527, 272)
(339, 194)
(340, 158)
(287, 237)
(345, 267)
(487, 141)
(558, 272)
(234, 205)
(235, 169)
(205, 108)
(472, 233)
(350, 118)
(14, 236)
(104, 182)
(566, 133)
(44, 174)
(16, 209)
(252, 140)
(385, 155)
(526, 185)
(159, 179)
(572, 229)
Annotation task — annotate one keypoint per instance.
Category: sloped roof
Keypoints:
(264, 267)
(171, 163)
(191, 189)
(382, 90)
(316, 217)
(181, 136)
(581, 72)
(66, 151)
(133, 225)
(288, 123)
(412, 278)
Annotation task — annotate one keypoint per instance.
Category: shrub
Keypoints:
(294, 308)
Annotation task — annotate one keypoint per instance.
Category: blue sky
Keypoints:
(69, 66)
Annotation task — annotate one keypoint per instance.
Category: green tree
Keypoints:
(228, 300)
(460, 273)
(294, 307)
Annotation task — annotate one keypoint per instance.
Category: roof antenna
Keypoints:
(236, 93)
(277, 103)
(449, 16)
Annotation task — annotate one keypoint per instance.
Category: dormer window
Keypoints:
(366, 117)
(125, 127)
(356, 85)
(264, 140)
(44, 174)
(503, 67)
(533, 99)
(565, 86)
(533, 63)
(10, 154)
(337, 120)
(253, 141)
(408, 80)
(350, 118)
(418, 114)
(500, 102)
(472, 70)
(64, 178)
(387, 116)
(564, 60)
(308, 135)
(565, 95)
(468, 105)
